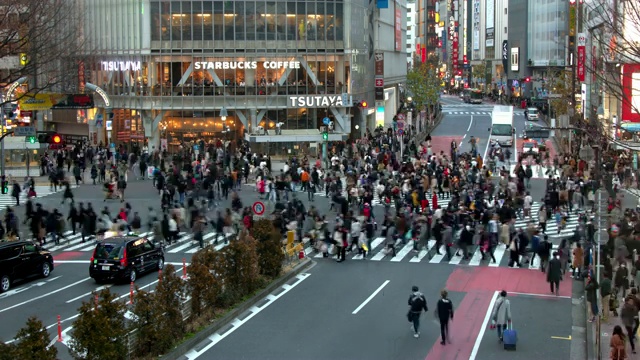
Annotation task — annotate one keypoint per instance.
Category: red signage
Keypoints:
(581, 60)
(379, 82)
(423, 56)
(630, 84)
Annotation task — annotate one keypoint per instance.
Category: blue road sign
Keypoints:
(112, 145)
(400, 132)
(326, 121)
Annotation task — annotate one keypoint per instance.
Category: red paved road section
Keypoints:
(480, 283)
(71, 255)
(492, 279)
(467, 321)
(443, 143)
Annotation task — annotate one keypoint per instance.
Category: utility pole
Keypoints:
(602, 237)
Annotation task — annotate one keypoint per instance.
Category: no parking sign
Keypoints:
(258, 208)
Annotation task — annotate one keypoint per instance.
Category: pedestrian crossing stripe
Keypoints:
(449, 112)
(185, 244)
(539, 171)
(406, 253)
(41, 191)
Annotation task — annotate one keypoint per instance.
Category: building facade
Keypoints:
(413, 52)
(266, 71)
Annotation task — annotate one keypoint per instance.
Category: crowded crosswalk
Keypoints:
(41, 191)
(405, 253)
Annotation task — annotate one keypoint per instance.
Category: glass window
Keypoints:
(165, 20)
(292, 30)
(218, 21)
(330, 21)
(207, 21)
(281, 21)
(108, 251)
(312, 21)
(339, 19)
(261, 22)
(247, 29)
(301, 21)
(270, 21)
(229, 20)
(321, 18)
(197, 16)
(155, 21)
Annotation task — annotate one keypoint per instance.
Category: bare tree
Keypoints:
(615, 33)
(39, 42)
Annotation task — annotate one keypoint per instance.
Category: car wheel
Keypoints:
(98, 281)
(45, 271)
(160, 264)
(133, 275)
(5, 283)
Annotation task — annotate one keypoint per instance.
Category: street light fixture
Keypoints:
(223, 114)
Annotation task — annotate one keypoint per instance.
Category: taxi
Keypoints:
(530, 147)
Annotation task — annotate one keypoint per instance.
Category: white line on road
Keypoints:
(470, 123)
(88, 262)
(483, 328)
(216, 338)
(371, 297)
(99, 288)
(24, 288)
(45, 295)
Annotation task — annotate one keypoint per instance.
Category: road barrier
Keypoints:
(184, 268)
(131, 294)
(59, 329)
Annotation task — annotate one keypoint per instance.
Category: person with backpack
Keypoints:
(417, 303)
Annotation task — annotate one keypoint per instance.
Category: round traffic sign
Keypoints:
(401, 117)
(258, 208)
(400, 132)
(326, 121)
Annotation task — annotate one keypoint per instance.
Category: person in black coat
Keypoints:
(417, 303)
(554, 273)
(444, 310)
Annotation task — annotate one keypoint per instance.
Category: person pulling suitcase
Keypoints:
(501, 315)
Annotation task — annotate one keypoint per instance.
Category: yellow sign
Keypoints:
(30, 102)
(437, 17)
(24, 59)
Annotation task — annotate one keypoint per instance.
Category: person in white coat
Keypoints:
(501, 314)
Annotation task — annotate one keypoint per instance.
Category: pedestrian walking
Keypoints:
(417, 303)
(444, 310)
(501, 314)
(554, 273)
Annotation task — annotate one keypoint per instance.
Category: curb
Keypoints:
(202, 335)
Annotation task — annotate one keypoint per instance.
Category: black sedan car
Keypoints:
(20, 260)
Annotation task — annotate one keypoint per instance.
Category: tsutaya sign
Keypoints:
(121, 65)
(250, 65)
(316, 101)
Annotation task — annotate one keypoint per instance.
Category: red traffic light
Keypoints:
(363, 104)
(527, 79)
(56, 139)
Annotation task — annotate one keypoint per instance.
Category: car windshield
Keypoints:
(529, 145)
(108, 251)
(533, 111)
(501, 130)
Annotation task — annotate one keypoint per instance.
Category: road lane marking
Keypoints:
(99, 288)
(216, 338)
(371, 297)
(483, 328)
(89, 261)
(408, 247)
(44, 295)
(540, 295)
(25, 288)
(470, 123)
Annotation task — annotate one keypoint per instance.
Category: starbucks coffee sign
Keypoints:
(316, 101)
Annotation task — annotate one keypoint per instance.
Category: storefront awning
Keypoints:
(299, 136)
(631, 126)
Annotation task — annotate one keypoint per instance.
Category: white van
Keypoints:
(532, 114)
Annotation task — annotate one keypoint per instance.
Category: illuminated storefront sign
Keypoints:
(315, 101)
(232, 65)
(121, 65)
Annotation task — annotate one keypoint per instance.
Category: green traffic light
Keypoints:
(325, 136)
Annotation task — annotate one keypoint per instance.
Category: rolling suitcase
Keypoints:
(509, 338)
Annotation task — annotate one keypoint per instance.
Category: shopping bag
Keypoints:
(365, 247)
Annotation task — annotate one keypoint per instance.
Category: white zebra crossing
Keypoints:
(41, 191)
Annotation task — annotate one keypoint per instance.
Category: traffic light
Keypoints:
(325, 136)
(361, 104)
(5, 185)
(527, 79)
(49, 138)
(31, 139)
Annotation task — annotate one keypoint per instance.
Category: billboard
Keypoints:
(582, 56)
(631, 90)
(46, 101)
(398, 27)
(515, 59)
(475, 21)
(490, 23)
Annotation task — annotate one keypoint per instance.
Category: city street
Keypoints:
(357, 310)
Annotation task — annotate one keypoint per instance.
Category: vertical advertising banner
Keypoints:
(582, 43)
(379, 75)
(505, 56)
(475, 22)
(454, 50)
(631, 93)
(490, 22)
(398, 27)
